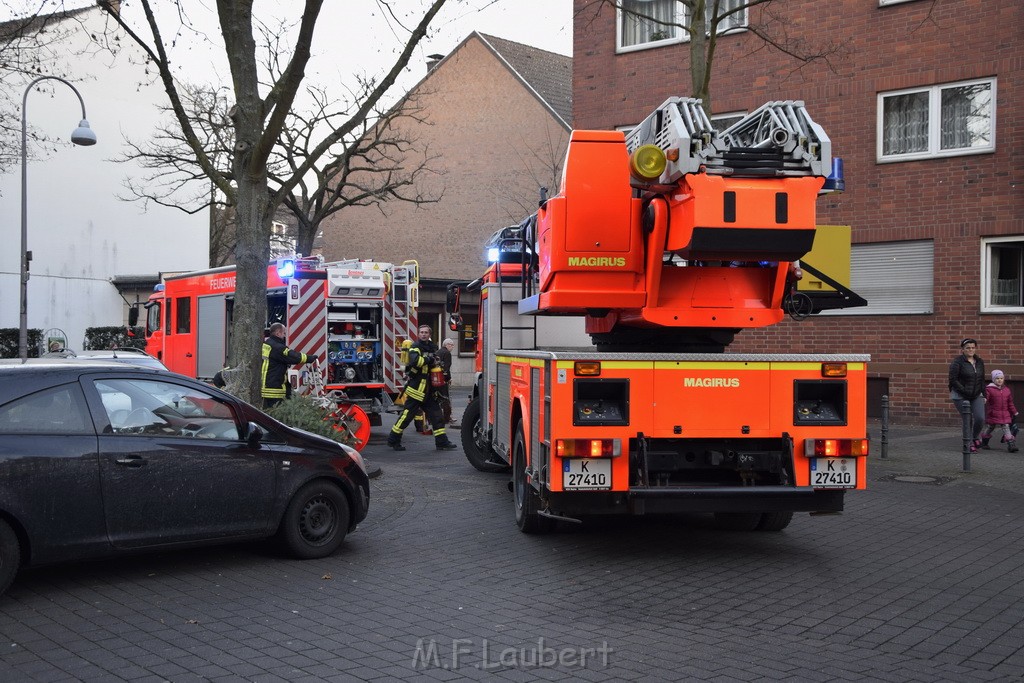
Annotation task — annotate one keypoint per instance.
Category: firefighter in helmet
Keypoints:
(276, 359)
(420, 394)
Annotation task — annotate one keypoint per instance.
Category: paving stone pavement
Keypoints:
(920, 580)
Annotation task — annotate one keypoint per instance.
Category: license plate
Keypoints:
(583, 473)
(834, 473)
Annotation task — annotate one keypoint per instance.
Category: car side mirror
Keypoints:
(254, 434)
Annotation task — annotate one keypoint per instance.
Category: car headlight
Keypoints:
(356, 456)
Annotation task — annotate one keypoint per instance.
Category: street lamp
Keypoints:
(83, 135)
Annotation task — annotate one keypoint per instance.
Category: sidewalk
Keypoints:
(936, 452)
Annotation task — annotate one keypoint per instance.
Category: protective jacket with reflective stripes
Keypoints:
(276, 359)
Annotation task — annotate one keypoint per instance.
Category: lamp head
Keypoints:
(83, 135)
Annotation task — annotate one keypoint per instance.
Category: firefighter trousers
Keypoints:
(412, 406)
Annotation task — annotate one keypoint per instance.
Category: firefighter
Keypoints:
(420, 394)
(276, 359)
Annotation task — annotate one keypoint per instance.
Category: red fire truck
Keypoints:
(350, 316)
(605, 385)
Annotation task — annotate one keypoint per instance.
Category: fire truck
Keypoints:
(350, 317)
(604, 381)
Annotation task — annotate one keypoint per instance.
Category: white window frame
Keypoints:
(679, 17)
(934, 123)
(986, 280)
(883, 3)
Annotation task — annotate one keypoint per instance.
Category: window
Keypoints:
(136, 407)
(896, 278)
(944, 120)
(1002, 262)
(467, 337)
(183, 306)
(647, 23)
(61, 410)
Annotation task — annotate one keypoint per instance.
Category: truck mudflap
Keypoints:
(679, 499)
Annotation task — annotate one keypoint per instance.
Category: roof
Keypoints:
(548, 74)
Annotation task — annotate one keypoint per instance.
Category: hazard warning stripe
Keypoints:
(307, 321)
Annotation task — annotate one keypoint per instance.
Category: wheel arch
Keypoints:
(24, 543)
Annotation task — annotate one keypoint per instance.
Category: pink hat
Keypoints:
(997, 373)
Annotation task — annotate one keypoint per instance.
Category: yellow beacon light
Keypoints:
(647, 162)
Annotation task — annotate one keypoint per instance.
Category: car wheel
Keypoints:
(737, 521)
(527, 502)
(473, 445)
(10, 555)
(316, 521)
(774, 521)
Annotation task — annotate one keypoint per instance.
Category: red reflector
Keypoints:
(588, 448)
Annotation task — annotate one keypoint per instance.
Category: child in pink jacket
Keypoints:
(999, 412)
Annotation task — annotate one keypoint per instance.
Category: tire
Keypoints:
(472, 437)
(525, 499)
(774, 521)
(10, 555)
(316, 521)
(738, 521)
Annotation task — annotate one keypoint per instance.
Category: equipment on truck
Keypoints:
(658, 249)
(350, 317)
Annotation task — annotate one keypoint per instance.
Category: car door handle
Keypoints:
(131, 461)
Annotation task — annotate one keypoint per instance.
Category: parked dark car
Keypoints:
(99, 458)
(129, 356)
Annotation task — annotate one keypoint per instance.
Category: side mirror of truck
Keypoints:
(454, 322)
(133, 316)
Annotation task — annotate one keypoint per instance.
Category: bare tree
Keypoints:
(258, 117)
(701, 22)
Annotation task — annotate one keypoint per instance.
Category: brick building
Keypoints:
(495, 122)
(922, 101)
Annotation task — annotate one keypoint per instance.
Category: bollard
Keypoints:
(967, 418)
(885, 425)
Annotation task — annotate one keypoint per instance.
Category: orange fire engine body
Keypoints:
(659, 269)
(351, 317)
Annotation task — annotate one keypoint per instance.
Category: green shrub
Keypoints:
(304, 413)
(104, 337)
(9, 342)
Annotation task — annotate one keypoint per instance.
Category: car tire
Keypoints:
(774, 521)
(316, 521)
(10, 555)
(525, 499)
(472, 440)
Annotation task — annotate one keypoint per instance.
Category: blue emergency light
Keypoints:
(285, 268)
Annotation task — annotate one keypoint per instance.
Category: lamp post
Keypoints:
(83, 135)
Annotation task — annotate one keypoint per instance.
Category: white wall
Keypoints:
(81, 235)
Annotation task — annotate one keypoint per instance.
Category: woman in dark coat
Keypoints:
(967, 391)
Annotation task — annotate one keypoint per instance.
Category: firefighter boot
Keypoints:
(443, 444)
(1011, 445)
(984, 442)
(395, 441)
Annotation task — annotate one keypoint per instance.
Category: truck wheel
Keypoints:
(10, 555)
(738, 521)
(527, 502)
(316, 521)
(472, 436)
(774, 521)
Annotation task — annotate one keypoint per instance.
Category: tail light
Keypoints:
(588, 448)
(835, 448)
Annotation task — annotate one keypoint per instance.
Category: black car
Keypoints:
(99, 458)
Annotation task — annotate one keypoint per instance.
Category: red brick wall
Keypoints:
(954, 201)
